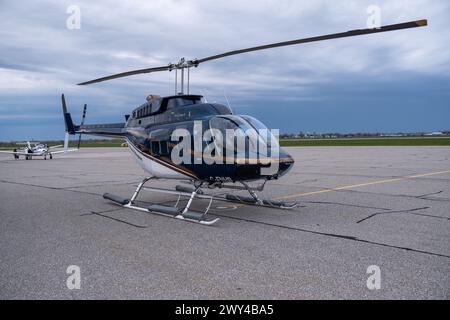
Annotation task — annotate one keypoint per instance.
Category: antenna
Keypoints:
(226, 98)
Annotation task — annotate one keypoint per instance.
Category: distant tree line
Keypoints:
(331, 135)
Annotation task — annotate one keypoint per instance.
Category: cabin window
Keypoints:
(134, 114)
(156, 105)
(155, 147)
(163, 147)
(160, 147)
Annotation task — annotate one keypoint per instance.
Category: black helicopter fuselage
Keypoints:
(148, 132)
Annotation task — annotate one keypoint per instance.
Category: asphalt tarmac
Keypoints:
(387, 207)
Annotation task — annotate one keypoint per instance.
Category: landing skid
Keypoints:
(192, 193)
(167, 211)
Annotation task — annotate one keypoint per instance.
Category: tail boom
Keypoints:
(115, 130)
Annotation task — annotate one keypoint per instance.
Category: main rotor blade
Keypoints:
(358, 32)
(195, 62)
(125, 74)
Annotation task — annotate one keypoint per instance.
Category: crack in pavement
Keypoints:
(47, 187)
(429, 194)
(352, 238)
(101, 214)
(409, 211)
(346, 205)
(435, 199)
(427, 197)
(104, 211)
(394, 195)
(100, 185)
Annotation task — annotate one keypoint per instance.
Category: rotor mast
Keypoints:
(181, 65)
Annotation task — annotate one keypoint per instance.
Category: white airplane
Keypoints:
(38, 150)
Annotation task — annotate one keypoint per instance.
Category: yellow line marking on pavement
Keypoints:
(362, 185)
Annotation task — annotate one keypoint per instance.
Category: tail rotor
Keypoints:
(82, 122)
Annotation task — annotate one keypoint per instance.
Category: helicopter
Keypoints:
(151, 132)
(37, 150)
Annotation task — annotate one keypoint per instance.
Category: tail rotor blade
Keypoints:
(82, 122)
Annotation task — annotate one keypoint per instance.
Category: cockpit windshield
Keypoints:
(263, 131)
(242, 134)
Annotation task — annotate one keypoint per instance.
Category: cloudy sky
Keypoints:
(397, 81)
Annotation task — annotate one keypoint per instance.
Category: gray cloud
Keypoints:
(40, 57)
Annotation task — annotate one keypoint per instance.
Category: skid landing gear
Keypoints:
(173, 212)
(254, 200)
(192, 192)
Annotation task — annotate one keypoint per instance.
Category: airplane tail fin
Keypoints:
(69, 126)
